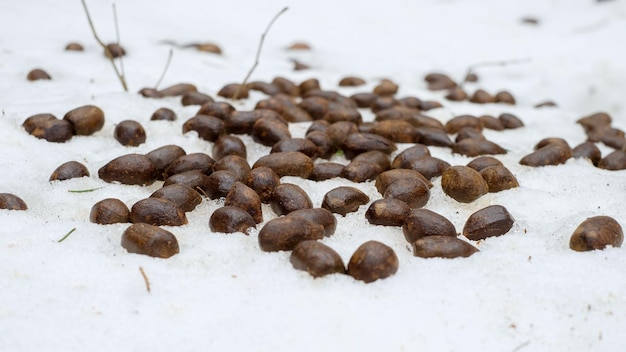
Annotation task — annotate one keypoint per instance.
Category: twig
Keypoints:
(67, 235)
(106, 49)
(258, 52)
(167, 65)
(117, 38)
(472, 68)
(145, 278)
(521, 346)
(83, 190)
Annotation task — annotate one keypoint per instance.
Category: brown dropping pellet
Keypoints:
(387, 212)
(234, 91)
(228, 145)
(295, 114)
(269, 131)
(52, 130)
(194, 161)
(456, 123)
(475, 147)
(428, 166)
(410, 102)
(35, 121)
(372, 261)
(613, 161)
(194, 179)
(364, 100)
(149, 240)
(285, 232)
(318, 216)
(398, 131)
(207, 48)
(195, 98)
(546, 104)
(263, 180)
(326, 171)
(463, 183)
(337, 100)
(480, 96)
(375, 157)
(404, 158)
(317, 259)
(597, 232)
(439, 81)
(68, 170)
(309, 85)
(288, 197)
(276, 103)
(351, 81)
(414, 192)
(383, 103)
(177, 90)
(220, 183)
(241, 122)
(208, 127)
(338, 132)
(510, 121)
(431, 136)
(494, 220)
(286, 86)
(235, 164)
(12, 202)
(129, 169)
(114, 50)
(483, 162)
(361, 171)
(587, 150)
(287, 164)
(610, 136)
(184, 196)
(73, 46)
(505, 98)
(109, 211)
(442, 247)
(299, 46)
(163, 156)
(322, 141)
(130, 133)
(491, 123)
(595, 121)
(357, 143)
(499, 178)
(229, 219)
(386, 87)
(343, 114)
(245, 198)
(150, 93)
(388, 177)
(299, 66)
(38, 74)
(344, 199)
(301, 145)
(163, 114)
(423, 222)
(221, 110)
(398, 113)
(318, 126)
(158, 212)
(549, 151)
(430, 104)
(469, 133)
(86, 120)
(456, 94)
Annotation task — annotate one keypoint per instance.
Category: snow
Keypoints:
(525, 290)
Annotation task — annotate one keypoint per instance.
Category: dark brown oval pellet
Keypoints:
(595, 121)
(463, 183)
(208, 127)
(245, 198)
(344, 199)
(364, 100)
(414, 192)
(404, 158)
(221, 110)
(483, 162)
(475, 147)
(317, 259)
(469, 133)
(456, 123)
(388, 177)
(432, 136)
(373, 261)
(499, 178)
(285, 232)
(322, 141)
(158, 212)
(68, 170)
(163, 156)
(288, 197)
(318, 216)
(193, 178)
(263, 180)
(510, 121)
(357, 143)
(195, 98)
(229, 219)
(193, 161)
(229, 145)
(361, 171)
(163, 114)
(456, 94)
(387, 212)
(302, 145)
(234, 91)
(491, 123)
(12, 202)
(264, 87)
(439, 81)
(269, 131)
(114, 51)
(505, 97)
(494, 220)
(149, 240)
(588, 150)
(35, 121)
(219, 183)
(73, 46)
(343, 114)
(351, 81)
(86, 120)
(597, 232)
(185, 197)
(109, 211)
(309, 85)
(398, 131)
(613, 161)
(326, 171)
(53, 130)
(442, 247)
(129, 169)
(339, 131)
(286, 86)
(423, 222)
(549, 151)
(130, 133)
(317, 107)
(480, 96)
(287, 164)
(177, 90)
(428, 166)
(235, 164)
(38, 74)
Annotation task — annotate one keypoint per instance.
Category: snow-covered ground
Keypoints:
(525, 290)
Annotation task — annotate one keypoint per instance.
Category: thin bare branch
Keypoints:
(145, 278)
(167, 65)
(106, 49)
(258, 52)
(67, 235)
(117, 38)
(472, 68)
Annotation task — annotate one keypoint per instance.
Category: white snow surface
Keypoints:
(524, 291)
